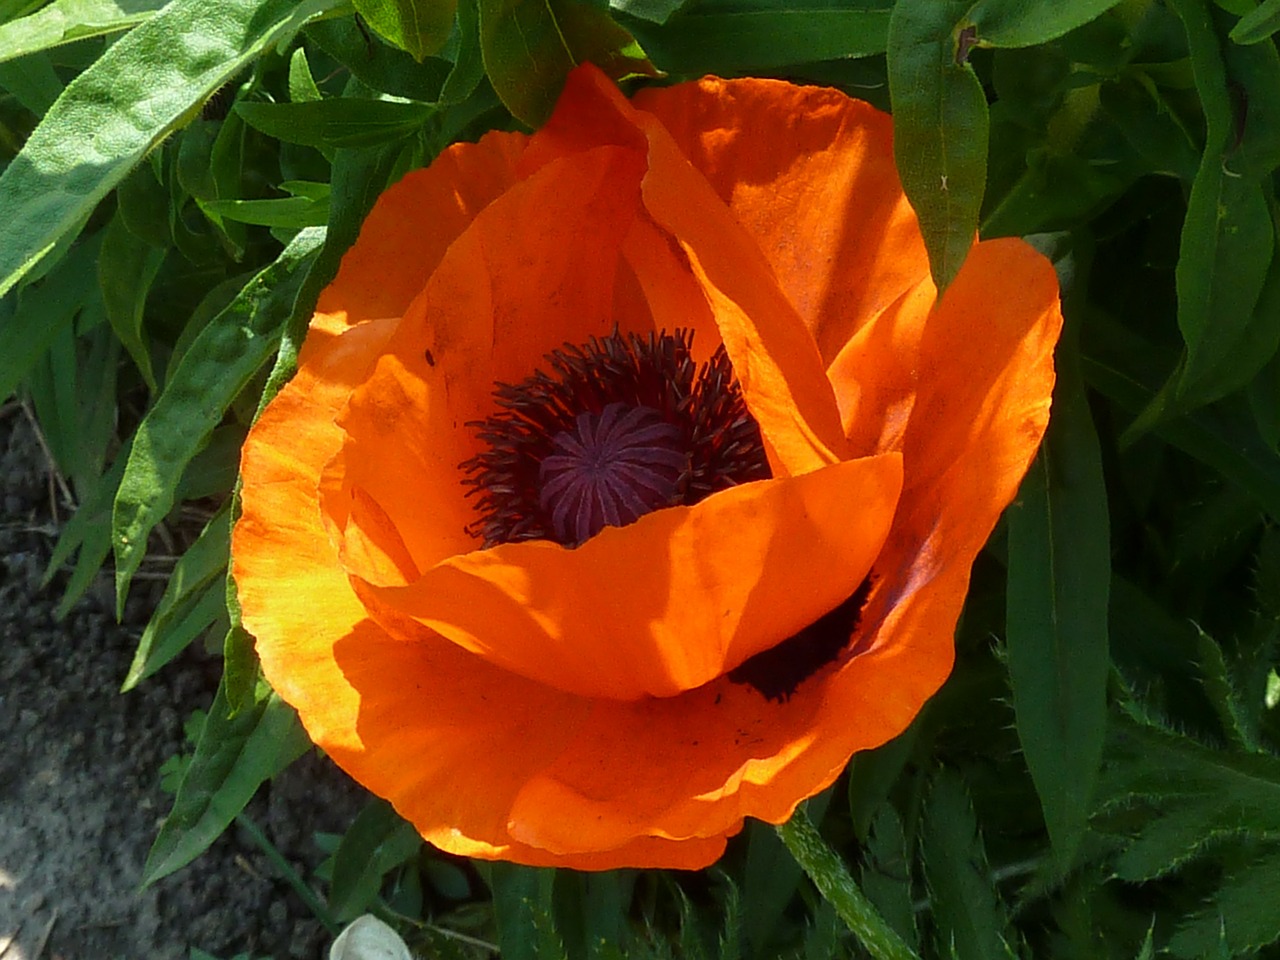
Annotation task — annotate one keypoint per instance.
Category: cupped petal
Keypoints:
(774, 355)
(448, 738)
(810, 175)
(410, 227)
(670, 602)
(725, 752)
(498, 302)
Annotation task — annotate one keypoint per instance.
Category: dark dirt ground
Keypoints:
(80, 797)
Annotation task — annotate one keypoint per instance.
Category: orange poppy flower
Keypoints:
(597, 616)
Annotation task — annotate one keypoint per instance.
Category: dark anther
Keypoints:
(778, 671)
(430, 357)
(613, 429)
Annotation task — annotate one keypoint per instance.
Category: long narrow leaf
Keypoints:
(211, 373)
(1059, 577)
(143, 88)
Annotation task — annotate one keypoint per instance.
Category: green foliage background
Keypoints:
(1098, 779)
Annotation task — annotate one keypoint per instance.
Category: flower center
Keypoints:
(616, 428)
(610, 469)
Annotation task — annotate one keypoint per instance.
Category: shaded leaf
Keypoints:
(733, 38)
(127, 266)
(232, 759)
(377, 842)
(1258, 24)
(193, 599)
(1059, 576)
(45, 310)
(1242, 913)
(210, 374)
(968, 914)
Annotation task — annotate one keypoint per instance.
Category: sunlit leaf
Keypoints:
(139, 91)
(419, 27)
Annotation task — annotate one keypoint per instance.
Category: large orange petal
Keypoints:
(810, 174)
(670, 602)
(774, 355)
(494, 307)
(724, 752)
(447, 738)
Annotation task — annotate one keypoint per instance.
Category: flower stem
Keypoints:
(831, 877)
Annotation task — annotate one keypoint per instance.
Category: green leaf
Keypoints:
(886, 873)
(969, 917)
(377, 842)
(940, 125)
(381, 67)
(1242, 911)
(529, 47)
(139, 91)
(1194, 794)
(338, 122)
(44, 310)
(1228, 236)
(290, 212)
(1259, 24)
(1059, 576)
(468, 68)
(234, 756)
(524, 911)
(127, 267)
(1024, 23)
(727, 38)
(192, 601)
(1235, 717)
(210, 374)
(302, 85)
(65, 20)
(419, 27)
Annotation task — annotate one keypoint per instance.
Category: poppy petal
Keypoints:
(360, 692)
(810, 175)
(774, 356)
(483, 317)
(670, 602)
(994, 394)
(410, 227)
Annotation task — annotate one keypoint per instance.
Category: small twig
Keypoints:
(384, 912)
(54, 473)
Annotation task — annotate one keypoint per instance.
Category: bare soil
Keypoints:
(80, 797)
